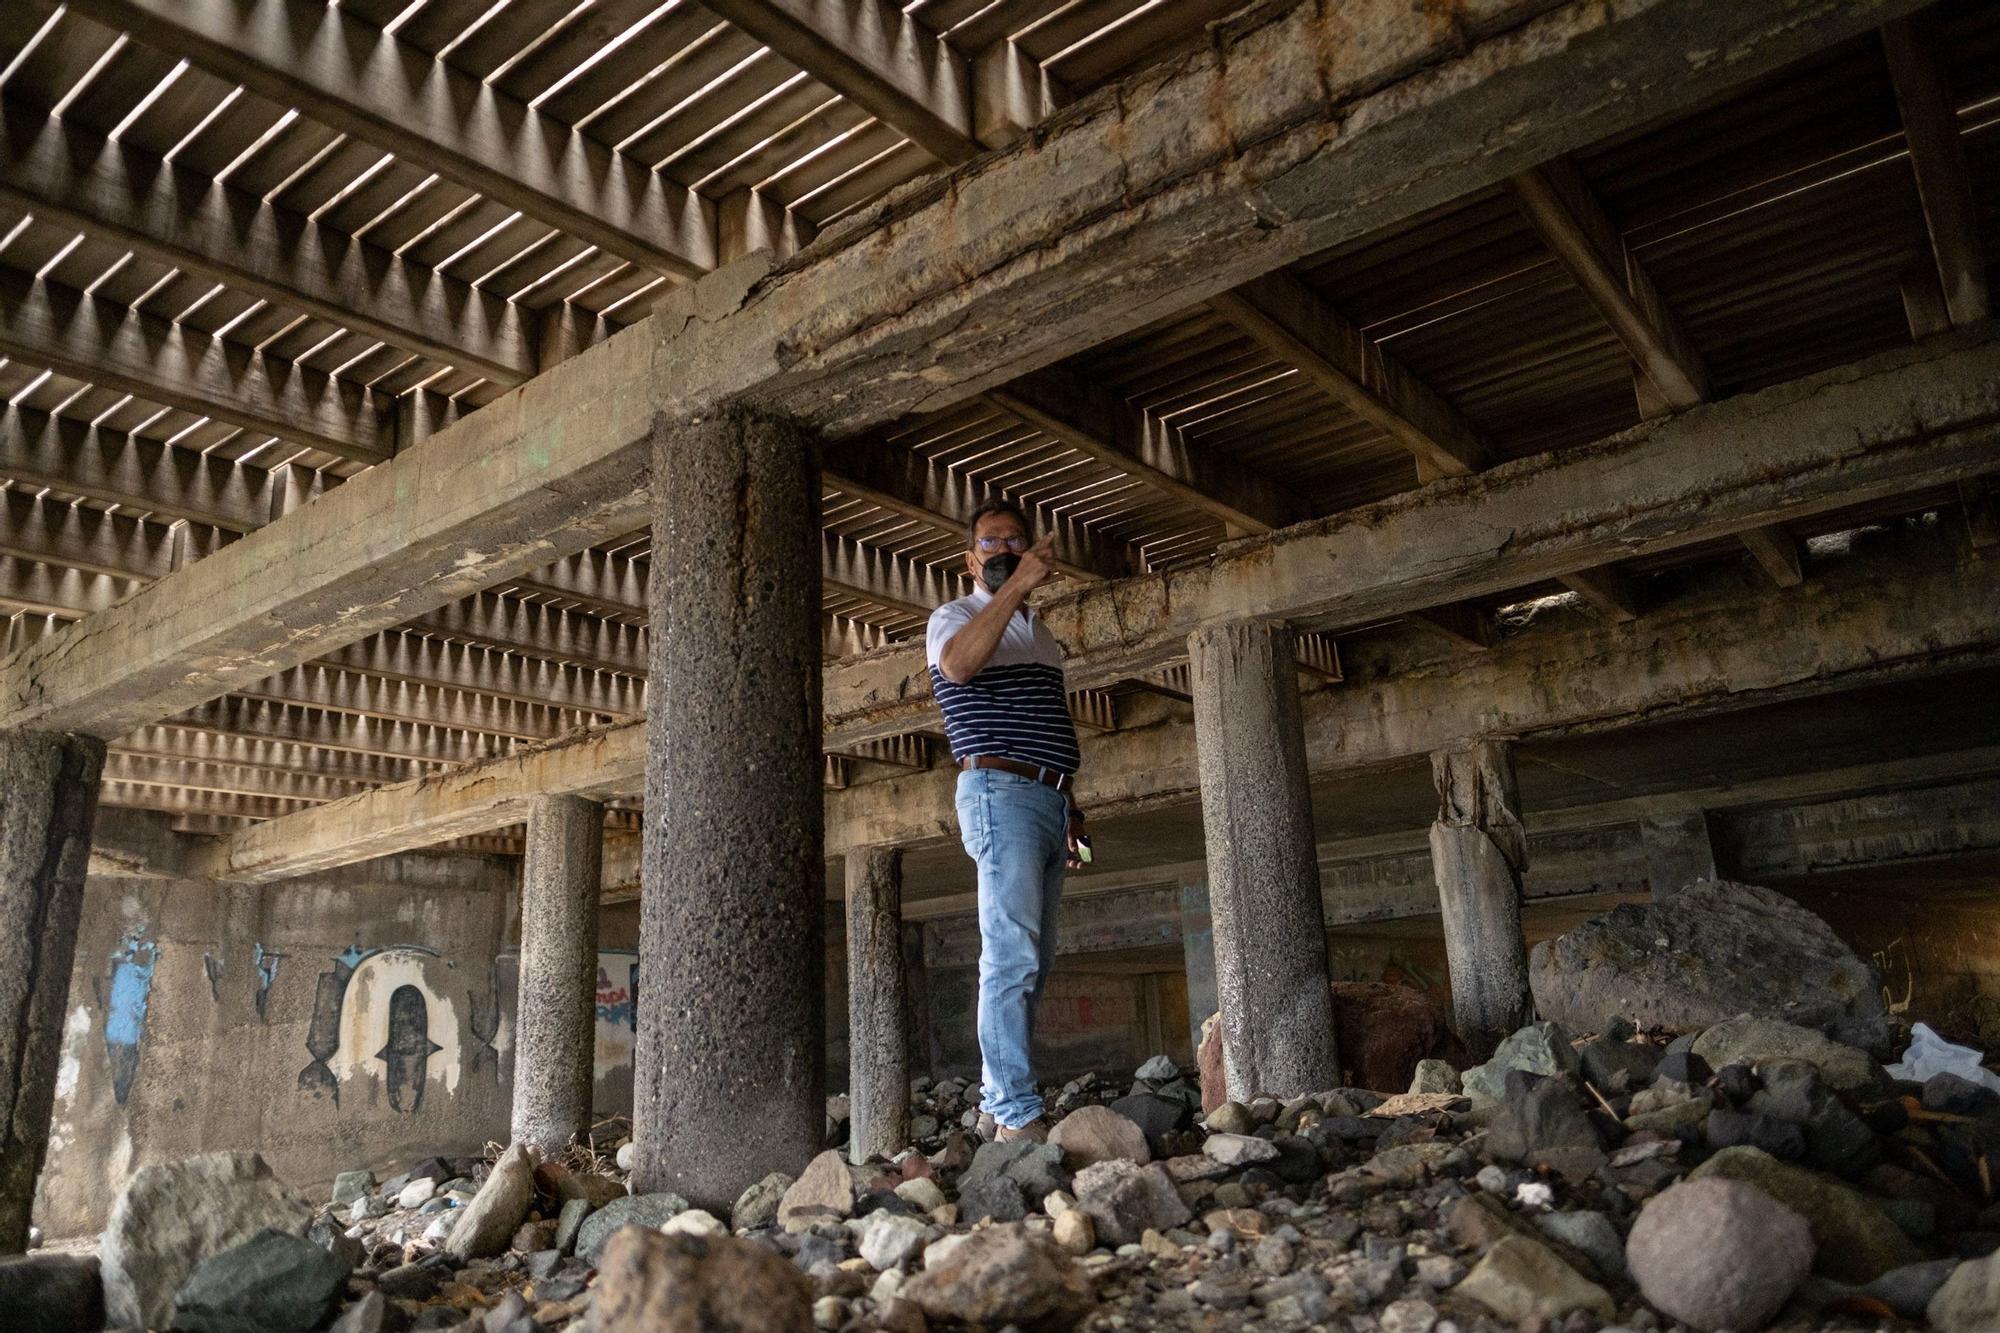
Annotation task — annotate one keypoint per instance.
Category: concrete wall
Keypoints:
(349, 1019)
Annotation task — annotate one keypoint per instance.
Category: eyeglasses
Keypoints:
(989, 545)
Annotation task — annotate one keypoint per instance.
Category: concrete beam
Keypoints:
(1731, 645)
(1893, 425)
(1917, 66)
(1287, 134)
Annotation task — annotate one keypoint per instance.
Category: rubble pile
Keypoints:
(1736, 1172)
(1754, 1174)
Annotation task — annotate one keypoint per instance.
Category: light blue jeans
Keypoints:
(1016, 831)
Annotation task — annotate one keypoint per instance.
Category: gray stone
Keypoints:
(1229, 1118)
(1435, 1076)
(1539, 1048)
(486, 1224)
(757, 1206)
(371, 1314)
(1732, 1129)
(1592, 1235)
(652, 1211)
(628, 1156)
(351, 1185)
(1909, 1290)
(889, 1239)
(1719, 1254)
(823, 1193)
(415, 1281)
(1521, 1279)
(417, 1193)
(1969, 1300)
(1156, 1116)
(1752, 1041)
(1036, 1167)
(998, 1197)
(1094, 1134)
(1124, 1200)
(271, 1281)
(1238, 1149)
(569, 1222)
(1003, 1275)
(1710, 952)
(1543, 1125)
(1158, 1070)
(51, 1293)
(1613, 1067)
(173, 1215)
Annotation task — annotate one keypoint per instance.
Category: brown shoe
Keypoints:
(1035, 1131)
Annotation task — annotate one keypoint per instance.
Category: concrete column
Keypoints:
(1263, 863)
(48, 801)
(555, 1024)
(917, 985)
(729, 1079)
(878, 1039)
(1479, 853)
(1679, 850)
(1198, 957)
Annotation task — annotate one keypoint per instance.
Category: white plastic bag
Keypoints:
(1930, 1055)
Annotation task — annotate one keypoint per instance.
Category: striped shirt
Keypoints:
(1015, 708)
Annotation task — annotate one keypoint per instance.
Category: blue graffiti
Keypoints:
(125, 1016)
(266, 965)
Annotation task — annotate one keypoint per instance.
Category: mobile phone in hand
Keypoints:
(1083, 848)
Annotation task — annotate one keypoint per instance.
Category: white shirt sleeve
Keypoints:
(946, 621)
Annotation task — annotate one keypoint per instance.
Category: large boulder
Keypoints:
(653, 1283)
(1383, 1031)
(1002, 1276)
(1719, 1254)
(173, 1215)
(273, 1280)
(51, 1293)
(1856, 1242)
(1713, 951)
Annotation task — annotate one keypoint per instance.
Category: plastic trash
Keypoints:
(1930, 1055)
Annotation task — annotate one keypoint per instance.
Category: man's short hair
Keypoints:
(992, 507)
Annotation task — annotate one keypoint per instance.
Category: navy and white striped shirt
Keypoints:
(1016, 707)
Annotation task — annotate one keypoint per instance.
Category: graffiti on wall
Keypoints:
(617, 1011)
(132, 964)
(266, 965)
(383, 1019)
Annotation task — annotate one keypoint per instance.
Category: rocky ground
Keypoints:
(1754, 1175)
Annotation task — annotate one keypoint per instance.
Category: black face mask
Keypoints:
(998, 569)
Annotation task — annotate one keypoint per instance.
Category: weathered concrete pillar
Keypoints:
(1198, 956)
(729, 1078)
(555, 1024)
(878, 1039)
(917, 986)
(1479, 853)
(1679, 850)
(1263, 864)
(48, 801)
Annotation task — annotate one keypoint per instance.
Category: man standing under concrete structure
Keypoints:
(997, 673)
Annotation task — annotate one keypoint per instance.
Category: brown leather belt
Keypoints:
(1048, 777)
